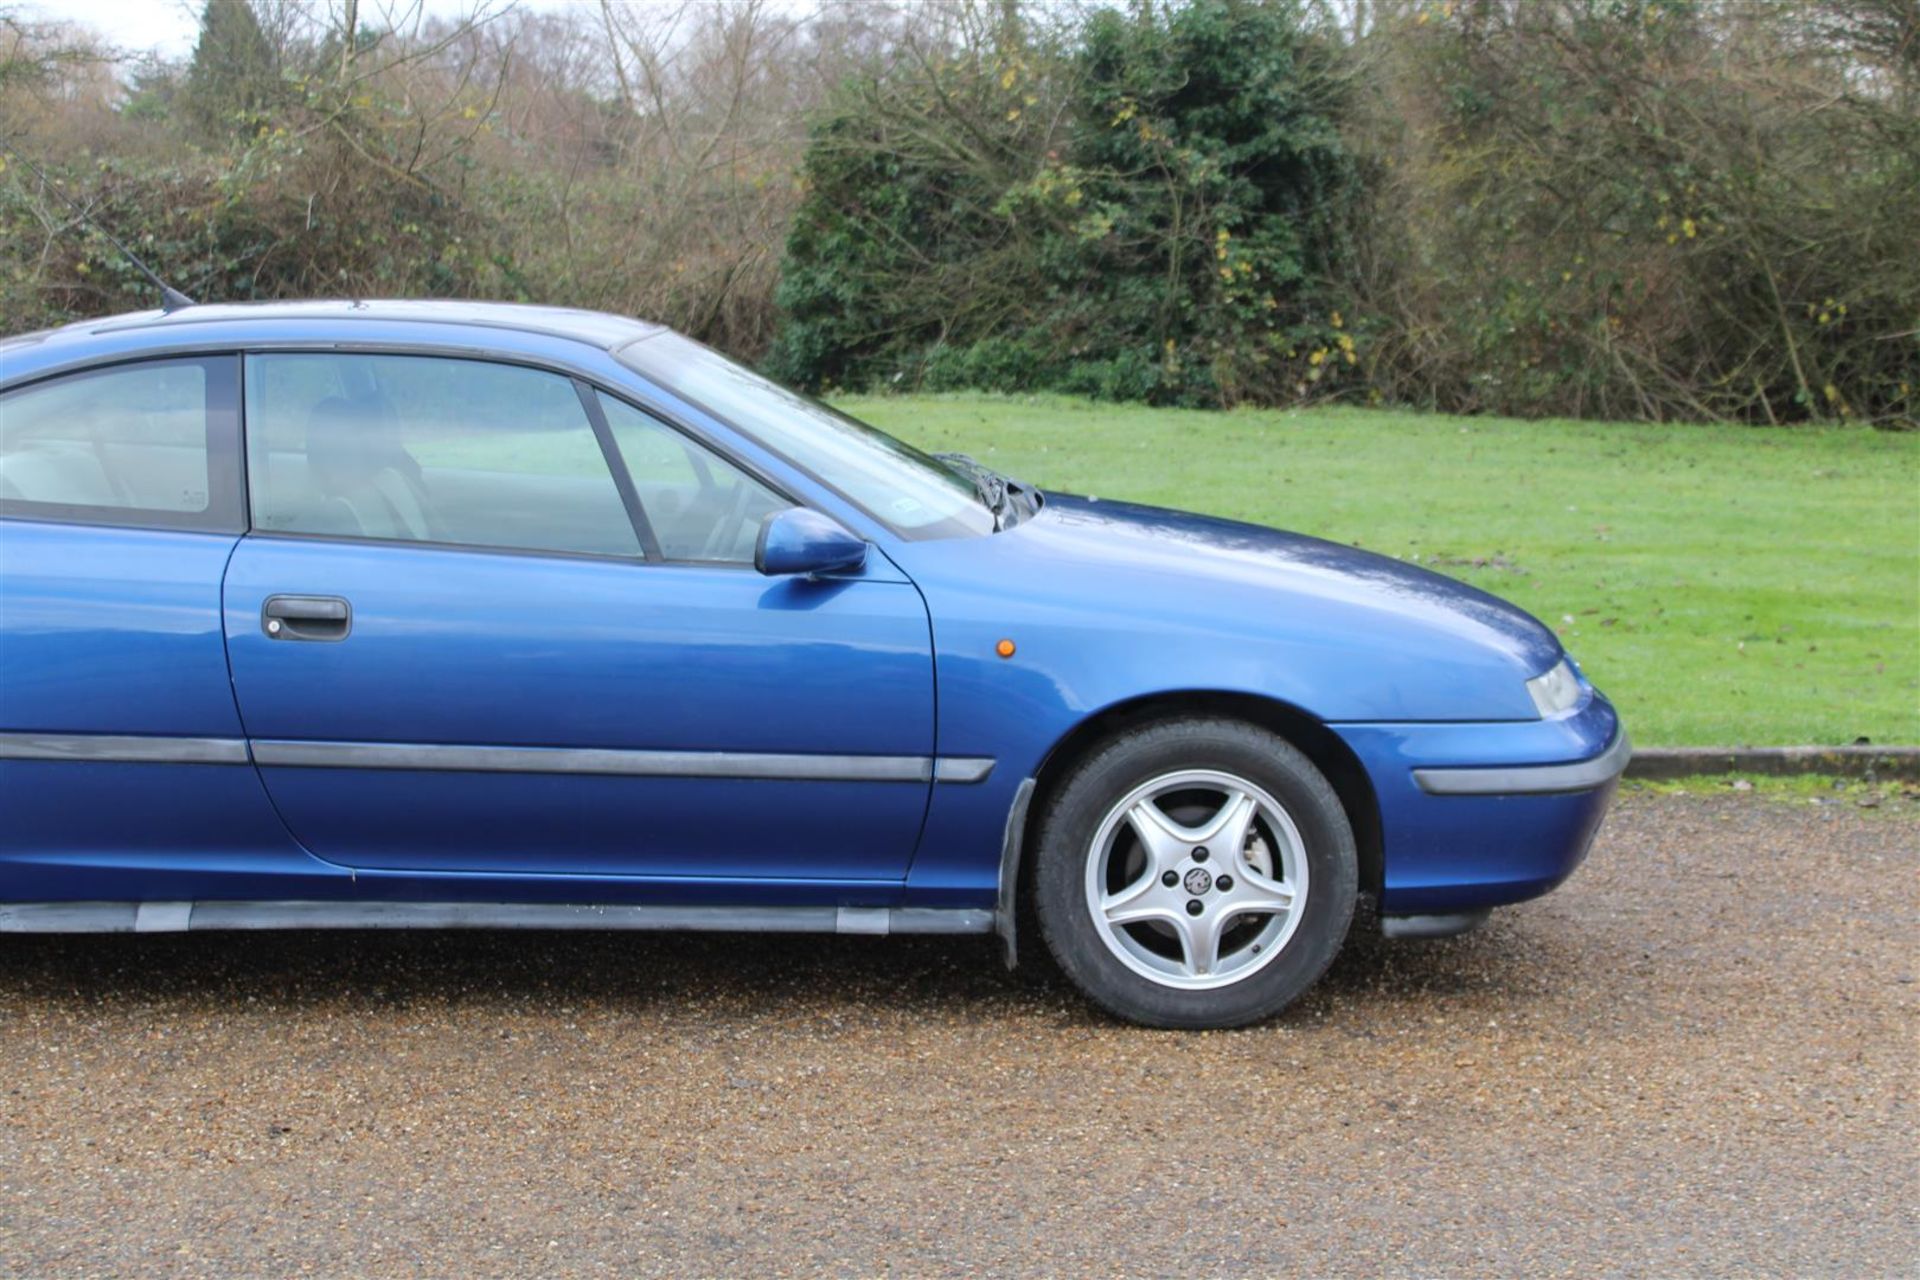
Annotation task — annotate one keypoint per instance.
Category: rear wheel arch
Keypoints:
(1324, 748)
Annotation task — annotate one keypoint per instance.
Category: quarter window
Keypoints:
(152, 444)
(428, 449)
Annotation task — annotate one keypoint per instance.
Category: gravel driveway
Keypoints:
(1699, 1057)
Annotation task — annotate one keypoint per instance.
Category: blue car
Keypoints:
(406, 614)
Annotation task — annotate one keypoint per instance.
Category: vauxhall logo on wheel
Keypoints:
(1198, 881)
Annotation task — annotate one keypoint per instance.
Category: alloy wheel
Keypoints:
(1196, 879)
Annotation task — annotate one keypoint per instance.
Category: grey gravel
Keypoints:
(1698, 1057)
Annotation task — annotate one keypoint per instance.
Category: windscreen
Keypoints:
(911, 493)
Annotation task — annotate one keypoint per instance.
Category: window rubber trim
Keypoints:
(226, 509)
(622, 478)
(454, 350)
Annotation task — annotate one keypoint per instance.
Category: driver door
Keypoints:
(490, 621)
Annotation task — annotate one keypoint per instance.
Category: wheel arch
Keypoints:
(1305, 732)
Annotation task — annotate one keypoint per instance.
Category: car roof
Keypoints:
(595, 328)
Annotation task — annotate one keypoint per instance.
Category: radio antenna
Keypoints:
(171, 299)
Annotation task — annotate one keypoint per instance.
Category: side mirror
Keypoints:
(799, 540)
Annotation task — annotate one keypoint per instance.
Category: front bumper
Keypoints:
(1530, 779)
(1479, 815)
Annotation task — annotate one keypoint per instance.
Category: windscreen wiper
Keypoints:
(989, 484)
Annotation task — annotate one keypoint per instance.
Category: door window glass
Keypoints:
(428, 449)
(701, 506)
(143, 444)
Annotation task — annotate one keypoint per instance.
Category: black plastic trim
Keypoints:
(772, 766)
(225, 511)
(182, 917)
(1006, 911)
(193, 349)
(110, 748)
(1433, 926)
(1534, 779)
(622, 477)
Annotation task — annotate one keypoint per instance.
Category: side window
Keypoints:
(153, 444)
(428, 449)
(701, 506)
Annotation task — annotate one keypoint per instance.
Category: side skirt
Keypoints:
(181, 917)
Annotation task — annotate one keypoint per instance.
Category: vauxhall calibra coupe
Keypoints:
(397, 614)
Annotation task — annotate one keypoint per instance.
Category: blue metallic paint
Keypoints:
(114, 631)
(119, 631)
(1210, 606)
(465, 647)
(163, 832)
(798, 540)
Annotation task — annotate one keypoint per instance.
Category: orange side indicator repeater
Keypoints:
(1004, 648)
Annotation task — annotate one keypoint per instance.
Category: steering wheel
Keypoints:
(701, 471)
(728, 528)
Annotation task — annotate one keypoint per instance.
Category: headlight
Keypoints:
(1555, 691)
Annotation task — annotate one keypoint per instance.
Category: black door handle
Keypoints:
(306, 618)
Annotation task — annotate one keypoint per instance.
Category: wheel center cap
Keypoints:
(1198, 881)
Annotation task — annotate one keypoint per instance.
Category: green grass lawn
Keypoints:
(1724, 585)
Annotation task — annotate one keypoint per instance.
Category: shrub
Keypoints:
(1648, 209)
(1156, 209)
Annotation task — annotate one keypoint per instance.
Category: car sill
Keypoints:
(182, 917)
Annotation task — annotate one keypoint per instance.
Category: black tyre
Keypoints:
(1195, 873)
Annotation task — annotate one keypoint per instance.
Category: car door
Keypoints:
(460, 644)
(123, 769)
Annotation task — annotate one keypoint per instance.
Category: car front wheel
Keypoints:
(1195, 873)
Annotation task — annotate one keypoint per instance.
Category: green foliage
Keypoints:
(1625, 208)
(991, 364)
(1650, 208)
(883, 212)
(237, 229)
(1171, 235)
(234, 78)
(1220, 191)
(302, 185)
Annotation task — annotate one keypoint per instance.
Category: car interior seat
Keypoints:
(60, 471)
(367, 483)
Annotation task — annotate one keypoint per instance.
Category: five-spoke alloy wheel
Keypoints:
(1197, 878)
(1195, 873)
